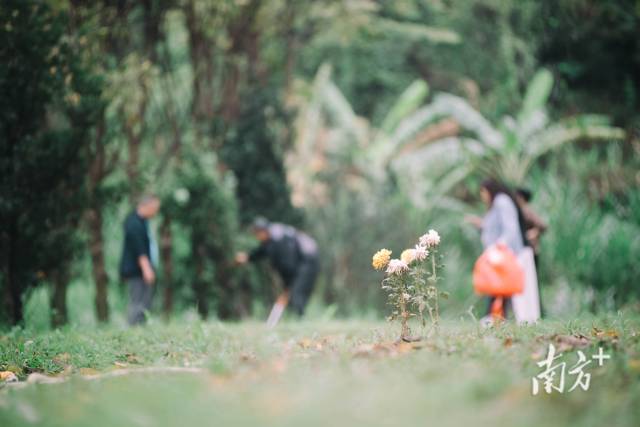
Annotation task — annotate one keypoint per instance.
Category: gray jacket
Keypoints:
(501, 224)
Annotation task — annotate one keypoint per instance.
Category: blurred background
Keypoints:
(362, 122)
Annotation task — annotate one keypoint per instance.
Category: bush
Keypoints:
(585, 244)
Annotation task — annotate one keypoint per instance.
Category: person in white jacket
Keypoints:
(503, 223)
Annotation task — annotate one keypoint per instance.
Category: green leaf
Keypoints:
(419, 31)
(412, 97)
(581, 127)
(537, 94)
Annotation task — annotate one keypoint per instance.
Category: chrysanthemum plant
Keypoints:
(411, 282)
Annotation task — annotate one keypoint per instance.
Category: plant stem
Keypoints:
(434, 275)
(404, 315)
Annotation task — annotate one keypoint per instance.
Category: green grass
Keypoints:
(318, 373)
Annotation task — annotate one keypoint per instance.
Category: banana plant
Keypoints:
(508, 150)
(331, 136)
(329, 127)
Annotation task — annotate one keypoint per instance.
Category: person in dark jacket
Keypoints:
(139, 258)
(534, 225)
(292, 253)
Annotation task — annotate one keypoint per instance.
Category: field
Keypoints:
(318, 373)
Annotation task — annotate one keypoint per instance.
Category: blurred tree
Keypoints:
(99, 148)
(592, 46)
(50, 104)
(201, 205)
(253, 151)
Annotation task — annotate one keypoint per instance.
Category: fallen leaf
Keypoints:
(634, 365)
(248, 357)
(133, 358)
(88, 371)
(570, 342)
(404, 347)
(15, 369)
(365, 350)
(8, 377)
(613, 334)
(305, 343)
(62, 359)
(68, 370)
(539, 354)
(392, 349)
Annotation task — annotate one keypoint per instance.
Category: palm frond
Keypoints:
(407, 103)
(537, 95)
(419, 31)
(581, 127)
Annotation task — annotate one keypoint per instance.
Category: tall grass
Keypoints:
(591, 245)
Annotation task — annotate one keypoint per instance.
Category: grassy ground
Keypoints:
(318, 373)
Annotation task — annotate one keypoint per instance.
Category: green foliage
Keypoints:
(102, 100)
(589, 45)
(586, 243)
(254, 151)
(409, 101)
(203, 212)
(49, 106)
(508, 151)
(537, 95)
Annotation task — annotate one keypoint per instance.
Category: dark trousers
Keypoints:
(301, 284)
(140, 295)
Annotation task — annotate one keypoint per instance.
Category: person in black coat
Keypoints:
(139, 258)
(292, 253)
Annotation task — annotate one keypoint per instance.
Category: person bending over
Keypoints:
(292, 253)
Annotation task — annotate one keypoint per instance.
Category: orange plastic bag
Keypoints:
(498, 273)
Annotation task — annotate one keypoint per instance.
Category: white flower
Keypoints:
(397, 266)
(431, 239)
(420, 253)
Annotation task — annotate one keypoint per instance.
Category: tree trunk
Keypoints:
(225, 307)
(58, 300)
(13, 300)
(153, 14)
(132, 165)
(12, 281)
(200, 286)
(291, 50)
(201, 53)
(166, 244)
(134, 141)
(96, 248)
(230, 102)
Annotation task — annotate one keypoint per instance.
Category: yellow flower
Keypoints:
(408, 256)
(381, 259)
